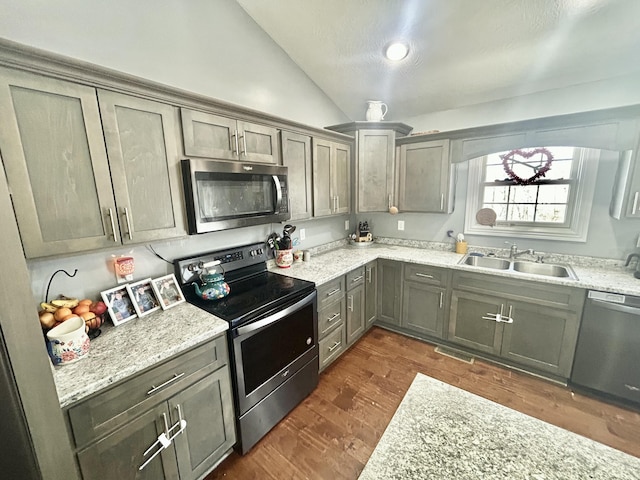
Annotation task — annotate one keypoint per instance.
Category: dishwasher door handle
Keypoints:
(616, 307)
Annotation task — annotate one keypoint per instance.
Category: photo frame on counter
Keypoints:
(143, 297)
(167, 291)
(119, 304)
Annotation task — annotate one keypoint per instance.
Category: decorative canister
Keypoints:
(284, 258)
(297, 256)
(68, 342)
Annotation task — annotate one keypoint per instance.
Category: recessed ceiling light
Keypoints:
(396, 51)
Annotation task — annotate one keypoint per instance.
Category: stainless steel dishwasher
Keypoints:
(607, 358)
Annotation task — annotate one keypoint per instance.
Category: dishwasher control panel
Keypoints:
(607, 297)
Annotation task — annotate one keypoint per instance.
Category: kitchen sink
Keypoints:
(520, 266)
(488, 262)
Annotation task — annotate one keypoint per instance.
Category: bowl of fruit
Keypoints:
(55, 312)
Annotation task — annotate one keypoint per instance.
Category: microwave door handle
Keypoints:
(276, 182)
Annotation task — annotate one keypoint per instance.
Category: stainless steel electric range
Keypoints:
(272, 337)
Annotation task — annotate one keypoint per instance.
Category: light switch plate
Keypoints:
(302, 234)
(400, 224)
(346, 224)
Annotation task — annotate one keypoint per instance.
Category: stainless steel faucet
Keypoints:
(514, 253)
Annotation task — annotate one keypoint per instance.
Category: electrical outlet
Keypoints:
(346, 224)
(302, 234)
(400, 224)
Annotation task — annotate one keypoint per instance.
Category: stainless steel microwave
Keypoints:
(223, 195)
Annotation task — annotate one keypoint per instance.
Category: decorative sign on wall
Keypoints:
(537, 160)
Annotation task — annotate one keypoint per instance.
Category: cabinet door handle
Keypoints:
(335, 345)
(357, 279)
(369, 274)
(423, 275)
(508, 318)
(442, 201)
(244, 144)
(175, 377)
(441, 299)
(635, 203)
(333, 292)
(389, 202)
(333, 317)
(350, 302)
(181, 424)
(126, 217)
(235, 140)
(113, 225)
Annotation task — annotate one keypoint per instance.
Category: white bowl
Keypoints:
(68, 342)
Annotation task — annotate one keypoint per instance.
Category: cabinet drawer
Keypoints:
(355, 278)
(425, 274)
(330, 317)
(330, 292)
(332, 346)
(104, 412)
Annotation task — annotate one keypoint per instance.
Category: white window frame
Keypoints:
(574, 230)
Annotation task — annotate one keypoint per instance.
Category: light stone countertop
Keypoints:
(123, 351)
(324, 267)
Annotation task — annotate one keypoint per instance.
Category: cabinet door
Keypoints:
(322, 200)
(258, 143)
(207, 407)
(209, 135)
(423, 308)
(143, 154)
(468, 327)
(541, 337)
(119, 455)
(56, 164)
(296, 154)
(355, 313)
(423, 184)
(341, 177)
(389, 291)
(375, 173)
(370, 294)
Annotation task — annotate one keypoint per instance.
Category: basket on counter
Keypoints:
(361, 244)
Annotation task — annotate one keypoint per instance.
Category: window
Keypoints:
(555, 206)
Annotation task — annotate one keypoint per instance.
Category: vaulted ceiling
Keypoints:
(462, 52)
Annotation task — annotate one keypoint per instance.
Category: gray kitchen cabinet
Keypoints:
(296, 155)
(425, 177)
(216, 136)
(331, 177)
(355, 281)
(70, 193)
(389, 291)
(625, 201)
(424, 296)
(143, 155)
(370, 294)
(113, 429)
(530, 324)
(374, 162)
(331, 321)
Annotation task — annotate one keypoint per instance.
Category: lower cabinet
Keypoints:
(179, 428)
(389, 291)
(370, 293)
(527, 323)
(331, 321)
(355, 305)
(424, 296)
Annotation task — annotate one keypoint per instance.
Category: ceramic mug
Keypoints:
(68, 342)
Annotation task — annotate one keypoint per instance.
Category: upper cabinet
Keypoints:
(374, 163)
(53, 150)
(296, 155)
(425, 177)
(331, 177)
(215, 136)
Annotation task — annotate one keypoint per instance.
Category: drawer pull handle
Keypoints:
(333, 317)
(632, 388)
(357, 279)
(441, 299)
(335, 345)
(423, 275)
(154, 389)
(333, 292)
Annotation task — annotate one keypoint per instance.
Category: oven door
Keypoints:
(272, 348)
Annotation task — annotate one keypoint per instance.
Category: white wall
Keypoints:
(211, 47)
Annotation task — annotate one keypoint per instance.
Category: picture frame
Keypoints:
(167, 291)
(143, 297)
(119, 304)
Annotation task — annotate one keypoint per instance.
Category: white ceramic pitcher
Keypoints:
(375, 111)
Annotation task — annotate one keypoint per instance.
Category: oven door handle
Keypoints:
(277, 316)
(276, 182)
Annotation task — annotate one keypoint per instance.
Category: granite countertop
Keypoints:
(122, 351)
(592, 273)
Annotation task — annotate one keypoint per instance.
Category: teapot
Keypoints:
(213, 286)
(374, 112)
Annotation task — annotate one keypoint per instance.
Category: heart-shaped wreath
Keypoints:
(508, 160)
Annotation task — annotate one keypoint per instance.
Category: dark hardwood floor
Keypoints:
(332, 433)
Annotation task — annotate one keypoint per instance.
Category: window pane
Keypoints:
(559, 169)
(521, 213)
(523, 193)
(553, 194)
(561, 153)
(496, 194)
(500, 209)
(551, 213)
(495, 172)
